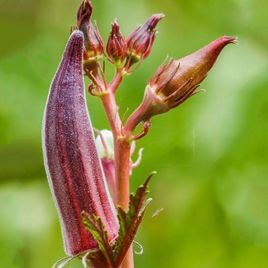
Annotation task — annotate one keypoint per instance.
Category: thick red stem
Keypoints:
(122, 158)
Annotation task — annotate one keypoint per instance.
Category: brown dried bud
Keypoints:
(92, 39)
(140, 42)
(176, 81)
(116, 45)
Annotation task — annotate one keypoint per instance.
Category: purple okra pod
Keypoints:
(73, 168)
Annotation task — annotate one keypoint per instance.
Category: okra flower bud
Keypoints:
(116, 45)
(140, 42)
(92, 38)
(72, 165)
(176, 81)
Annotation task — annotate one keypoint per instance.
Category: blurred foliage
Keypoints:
(211, 153)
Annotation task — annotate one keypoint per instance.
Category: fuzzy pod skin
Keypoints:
(72, 165)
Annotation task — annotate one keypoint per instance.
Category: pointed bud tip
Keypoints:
(84, 12)
(87, 5)
(214, 48)
(86, 8)
(225, 40)
(77, 35)
(115, 27)
(159, 15)
(154, 19)
(229, 39)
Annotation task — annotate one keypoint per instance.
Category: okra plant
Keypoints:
(88, 177)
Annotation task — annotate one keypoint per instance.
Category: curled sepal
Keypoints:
(72, 165)
(177, 80)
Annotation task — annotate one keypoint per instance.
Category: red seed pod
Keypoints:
(176, 81)
(73, 168)
(116, 45)
(140, 42)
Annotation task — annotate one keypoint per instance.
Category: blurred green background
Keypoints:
(211, 153)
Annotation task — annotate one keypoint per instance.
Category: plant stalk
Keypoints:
(122, 171)
(122, 160)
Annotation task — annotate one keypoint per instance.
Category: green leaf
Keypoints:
(97, 229)
(129, 221)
